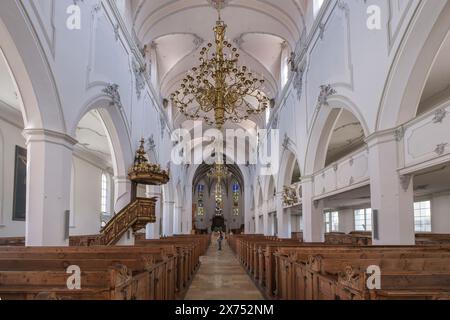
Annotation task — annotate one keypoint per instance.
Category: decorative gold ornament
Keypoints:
(219, 90)
(219, 172)
(146, 173)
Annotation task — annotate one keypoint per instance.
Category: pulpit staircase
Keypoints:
(134, 216)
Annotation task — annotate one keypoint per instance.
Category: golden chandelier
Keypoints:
(220, 86)
(219, 172)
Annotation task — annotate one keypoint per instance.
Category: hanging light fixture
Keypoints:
(219, 172)
(219, 90)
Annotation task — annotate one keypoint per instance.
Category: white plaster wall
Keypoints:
(87, 198)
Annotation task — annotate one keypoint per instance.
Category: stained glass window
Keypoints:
(236, 196)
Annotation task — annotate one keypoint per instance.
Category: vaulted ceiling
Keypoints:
(177, 29)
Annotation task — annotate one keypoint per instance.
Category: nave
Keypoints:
(314, 133)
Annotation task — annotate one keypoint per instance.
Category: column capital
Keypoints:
(50, 136)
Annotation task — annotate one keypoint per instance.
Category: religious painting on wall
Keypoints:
(20, 184)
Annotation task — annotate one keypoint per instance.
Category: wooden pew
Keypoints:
(149, 267)
(189, 249)
(312, 273)
(111, 284)
(12, 241)
(316, 271)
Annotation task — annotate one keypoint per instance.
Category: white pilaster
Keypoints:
(284, 219)
(312, 214)
(152, 229)
(440, 214)
(266, 220)
(177, 220)
(48, 187)
(391, 195)
(258, 227)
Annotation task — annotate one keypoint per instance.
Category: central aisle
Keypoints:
(221, 277)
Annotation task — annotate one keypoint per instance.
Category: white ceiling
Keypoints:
(177, 29)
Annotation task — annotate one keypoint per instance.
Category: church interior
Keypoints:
(224, 150)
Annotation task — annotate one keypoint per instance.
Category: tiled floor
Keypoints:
(221, 277)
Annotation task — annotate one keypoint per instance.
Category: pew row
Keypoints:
(153, 270)
(291, 270)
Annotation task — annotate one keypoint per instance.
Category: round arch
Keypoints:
(322, 128)
(259, 199)
(270, 185)
(122, 155)
(28, 62)
(288, 161)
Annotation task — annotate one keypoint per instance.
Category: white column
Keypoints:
(283, 218)
(152, 229)
(266, 219)
(48, 187)
(391, 195)
(177, 220)
(312, 214)
(168, 213)
(183, 221)
(440, 213)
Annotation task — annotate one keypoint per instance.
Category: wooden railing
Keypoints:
(135, 216)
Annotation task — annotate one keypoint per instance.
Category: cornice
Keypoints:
(34, 135)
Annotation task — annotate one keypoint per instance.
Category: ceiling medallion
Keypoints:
(219, 90)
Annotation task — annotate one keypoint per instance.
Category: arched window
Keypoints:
(236, 197)
(105, 195)
(317, 5)
(201, 208)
